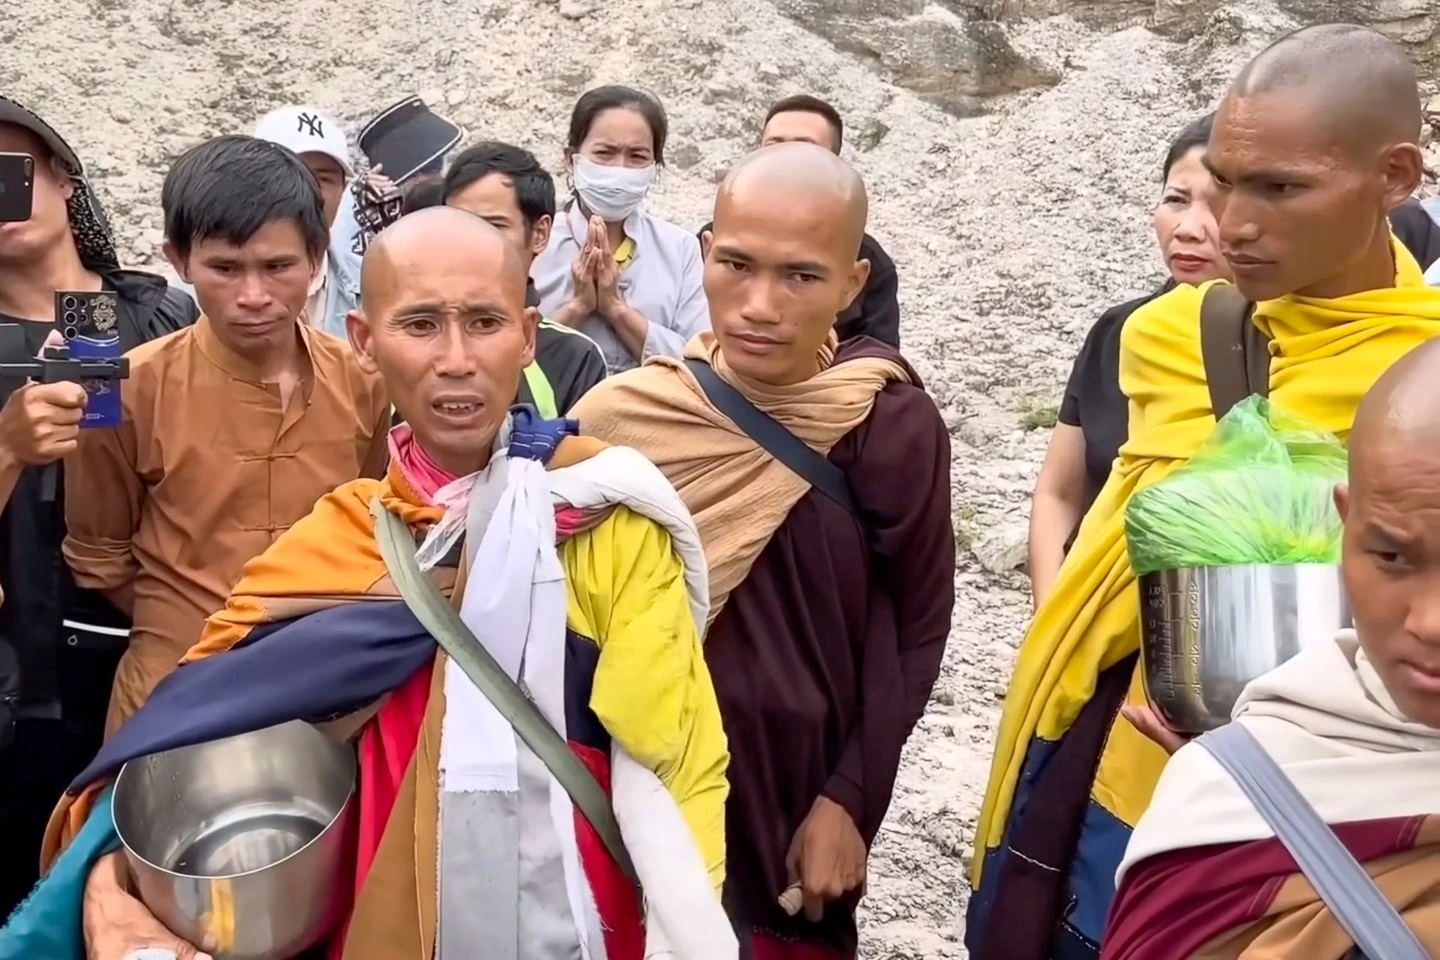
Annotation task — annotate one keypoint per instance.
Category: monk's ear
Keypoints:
(707, 240)
(1401, 168)
(858, 275)
(1342, 501)
(362, 340)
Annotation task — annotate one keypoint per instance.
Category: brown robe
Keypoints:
(206, 470)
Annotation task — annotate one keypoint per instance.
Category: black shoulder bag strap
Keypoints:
(779, 442)
(1235, 352)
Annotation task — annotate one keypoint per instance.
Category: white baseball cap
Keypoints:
(306, 130)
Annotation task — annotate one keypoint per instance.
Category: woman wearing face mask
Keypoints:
(627, 279)
(1093, 415)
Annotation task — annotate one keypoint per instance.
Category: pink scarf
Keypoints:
(426, 477)
(423, 474)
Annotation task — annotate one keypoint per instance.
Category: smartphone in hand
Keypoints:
(17, 186)
(90, 323)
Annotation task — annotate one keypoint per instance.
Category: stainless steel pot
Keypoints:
(244, 844)
(1205, 632)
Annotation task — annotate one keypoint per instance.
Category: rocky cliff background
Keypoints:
(1012, 149)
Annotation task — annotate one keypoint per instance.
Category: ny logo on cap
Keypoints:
(312, 124)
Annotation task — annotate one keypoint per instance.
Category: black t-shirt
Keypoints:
(1093, 401)
(570, 361)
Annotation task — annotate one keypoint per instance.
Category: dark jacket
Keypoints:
(40, 594)
(1415, 228)
(876, 310)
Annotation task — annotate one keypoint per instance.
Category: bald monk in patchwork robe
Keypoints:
(1354, 724)
(830, 618)
(575, 565)
(1313, 145)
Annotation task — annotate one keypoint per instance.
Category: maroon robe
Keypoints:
(825, 655)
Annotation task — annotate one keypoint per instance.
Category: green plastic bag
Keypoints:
(1260, 491)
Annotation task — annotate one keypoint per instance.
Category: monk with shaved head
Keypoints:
(818, 474)
(875, 311)
(1352, 721)
(1313, 145)
(443, 319)
(591, 827)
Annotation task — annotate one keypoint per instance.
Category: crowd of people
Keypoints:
(285, 382)
(686, 492)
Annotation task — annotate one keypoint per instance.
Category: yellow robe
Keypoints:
(1325, 354)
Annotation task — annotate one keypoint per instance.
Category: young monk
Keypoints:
(1313, 145)
(829, 624)
(1355, 724)
(608, 645)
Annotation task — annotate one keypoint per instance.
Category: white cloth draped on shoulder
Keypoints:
(1327, 719)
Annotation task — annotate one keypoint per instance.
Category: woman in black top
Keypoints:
(1094, 413)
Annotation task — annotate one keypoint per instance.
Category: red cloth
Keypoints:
(387, 746)
(1174, 903)
(765, 947)
(617, 899)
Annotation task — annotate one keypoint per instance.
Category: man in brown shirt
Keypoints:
(232, 428)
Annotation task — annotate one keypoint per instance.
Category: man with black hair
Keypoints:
(58, 643)
(507, 187)
(875, 311)
(232, 428)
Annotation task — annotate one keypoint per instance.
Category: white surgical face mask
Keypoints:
(612, 193)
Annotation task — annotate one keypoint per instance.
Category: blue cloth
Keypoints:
(48, 923)
(316, 668)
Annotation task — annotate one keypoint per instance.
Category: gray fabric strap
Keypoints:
(1344, 886)
(438, 617)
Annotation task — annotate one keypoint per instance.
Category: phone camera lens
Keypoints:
(71, 333)
(71, 303)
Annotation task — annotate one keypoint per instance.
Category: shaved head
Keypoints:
(782, 259)
(426, 234)
(442, 318)
(1362, 82)
(1400, 412)
(802, 173)
(1391, 508)
(1313, 146)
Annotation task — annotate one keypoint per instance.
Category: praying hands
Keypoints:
(595, 277)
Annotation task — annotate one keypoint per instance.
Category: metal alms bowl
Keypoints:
(1206, 632)
(243, 845)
